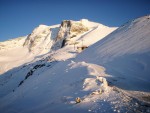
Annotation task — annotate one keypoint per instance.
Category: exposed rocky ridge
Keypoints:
(42, 34)
(69, 29)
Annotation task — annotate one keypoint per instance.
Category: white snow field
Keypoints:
(110, 76)
(125, 54)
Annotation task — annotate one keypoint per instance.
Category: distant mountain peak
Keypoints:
(44, 39)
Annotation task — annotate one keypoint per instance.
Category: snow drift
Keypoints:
(125, 54)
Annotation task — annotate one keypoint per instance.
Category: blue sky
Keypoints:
(20, 17)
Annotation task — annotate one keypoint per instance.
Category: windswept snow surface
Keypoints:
(55, 86)
(110, 76)
(125, 54)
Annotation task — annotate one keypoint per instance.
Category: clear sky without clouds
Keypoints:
(20, 17)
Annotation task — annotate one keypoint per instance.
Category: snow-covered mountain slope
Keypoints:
(12, 53)
(41, 39)
(102, 79)
(125, 54)
(45, 39)
(53, 87)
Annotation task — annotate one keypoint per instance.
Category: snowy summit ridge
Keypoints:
(45, 39)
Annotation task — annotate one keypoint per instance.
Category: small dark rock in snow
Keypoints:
(78, 100)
